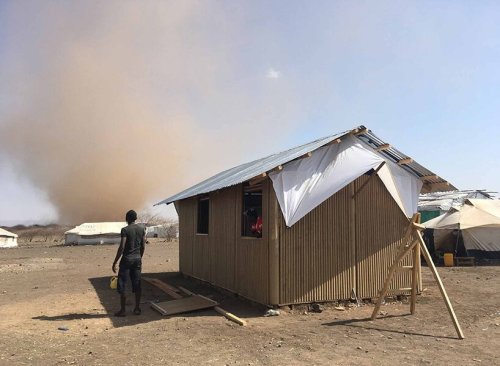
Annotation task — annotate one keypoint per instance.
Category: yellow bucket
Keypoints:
(113, 283)
(448, 259)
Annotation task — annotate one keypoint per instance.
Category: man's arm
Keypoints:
(143, 244)
(119, 253)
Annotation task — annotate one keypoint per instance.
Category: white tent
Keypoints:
(95, 233)
(304, 184)
(479, 222)
(7, 239)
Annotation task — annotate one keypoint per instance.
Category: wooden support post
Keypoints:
(414, 277)
(435, 273)
(273, 215)
(352, 234)
(405, 161)
(383, 147)
(405, 250)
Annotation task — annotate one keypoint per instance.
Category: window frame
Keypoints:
(244, 189)
(204, 197)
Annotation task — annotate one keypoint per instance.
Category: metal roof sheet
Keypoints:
(247, 171)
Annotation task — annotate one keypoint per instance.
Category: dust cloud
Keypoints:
(110, 106)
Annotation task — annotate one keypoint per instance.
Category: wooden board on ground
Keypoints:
(184, 305)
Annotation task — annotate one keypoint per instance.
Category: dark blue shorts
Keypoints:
(132, 269)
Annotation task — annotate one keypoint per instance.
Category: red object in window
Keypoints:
(257, 227)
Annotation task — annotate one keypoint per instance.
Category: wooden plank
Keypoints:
(333, 142)
(414, 278)
(402, 254)
(184, 305)
(435, 273)
(258, 179)
(361, 132)
(169, 290)
(427, 177)
(383, 147)
(218, 309)
(405, 161)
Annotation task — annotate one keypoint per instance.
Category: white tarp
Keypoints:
(479, 221)
(304, 184)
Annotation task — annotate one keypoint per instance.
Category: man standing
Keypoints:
(131, 250)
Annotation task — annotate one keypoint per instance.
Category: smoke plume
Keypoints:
(109, 106)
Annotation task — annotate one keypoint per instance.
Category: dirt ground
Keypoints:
(45, 286)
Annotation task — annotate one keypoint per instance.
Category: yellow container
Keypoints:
(448, 259)
(113, 283)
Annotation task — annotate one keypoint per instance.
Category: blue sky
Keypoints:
(252, 78)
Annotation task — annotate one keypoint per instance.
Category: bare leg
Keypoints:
(122, 306)
(137, 310)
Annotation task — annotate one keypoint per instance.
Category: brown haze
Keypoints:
(107, 102)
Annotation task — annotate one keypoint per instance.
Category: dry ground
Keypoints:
(45, 286)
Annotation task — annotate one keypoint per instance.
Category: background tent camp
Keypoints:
(473, 228)
(95, 233)
(319, 222)
(7, 239)
(431, 205)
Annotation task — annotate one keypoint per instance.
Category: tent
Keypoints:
(478, 224)
(7, 239)
(94, 233)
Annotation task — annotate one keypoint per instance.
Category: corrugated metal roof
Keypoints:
(247, 171)
(250, 170)
(7, 233)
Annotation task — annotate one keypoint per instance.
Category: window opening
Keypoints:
(203, 214)
(252, 211)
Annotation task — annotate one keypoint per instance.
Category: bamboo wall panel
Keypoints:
(252, 254)
(317, 255)
(223, 237)
(380, 226)
(223, 257)
(187, 211)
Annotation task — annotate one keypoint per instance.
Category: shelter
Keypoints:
(475, 225)
(319, 222)
(7, 239)
(162, 231)
(433, 204)
(94, 233)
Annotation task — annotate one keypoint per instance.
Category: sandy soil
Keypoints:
(44, 287)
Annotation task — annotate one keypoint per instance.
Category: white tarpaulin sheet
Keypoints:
(479, 221)
(304, 184)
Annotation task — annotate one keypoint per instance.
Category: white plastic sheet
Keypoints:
(304, 184)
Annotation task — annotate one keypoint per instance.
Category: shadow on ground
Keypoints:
(368, 324)
(110, 301)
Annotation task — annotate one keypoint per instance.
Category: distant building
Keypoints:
(94, 233)
(434, 204)
(7, 239)
(168, 231)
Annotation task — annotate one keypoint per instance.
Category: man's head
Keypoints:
(131, 216)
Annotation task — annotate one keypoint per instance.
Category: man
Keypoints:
(131, 250)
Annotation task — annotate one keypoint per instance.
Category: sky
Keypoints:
(216, 83)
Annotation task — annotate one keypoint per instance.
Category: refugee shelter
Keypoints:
(162, 231)
(431, 205)
(94, 233)
(475, 226)
(7, 239)
(319, 222)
